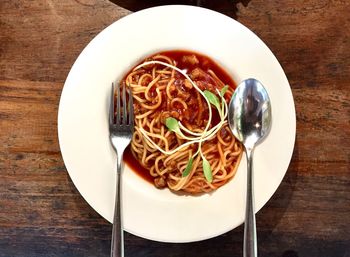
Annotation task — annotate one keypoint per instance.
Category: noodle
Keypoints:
(161, 91)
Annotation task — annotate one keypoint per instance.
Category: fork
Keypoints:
(121, 127)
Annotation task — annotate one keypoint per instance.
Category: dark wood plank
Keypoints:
(41, 212)
(227, 7)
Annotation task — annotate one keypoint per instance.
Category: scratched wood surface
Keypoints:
(42, 213)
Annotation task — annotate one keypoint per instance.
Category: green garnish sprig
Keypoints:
(173, 125)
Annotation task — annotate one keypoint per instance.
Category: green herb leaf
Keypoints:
(172, 124)
(223, 90)
(207, 171)
(188, 168)
(213, 99)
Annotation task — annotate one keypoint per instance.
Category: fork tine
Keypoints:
(111, 106)
(125, 113)
(131, 108)
(118, 104)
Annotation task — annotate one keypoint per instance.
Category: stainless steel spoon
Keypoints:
(249, 117)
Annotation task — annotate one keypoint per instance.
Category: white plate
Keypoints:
(83, 125)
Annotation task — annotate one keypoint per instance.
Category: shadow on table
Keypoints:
(227, 7)
(290, 253)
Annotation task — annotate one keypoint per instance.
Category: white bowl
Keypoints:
(83, 125)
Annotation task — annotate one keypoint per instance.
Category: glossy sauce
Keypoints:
(205, 63)
(134, 165)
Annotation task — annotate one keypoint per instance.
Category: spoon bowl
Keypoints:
(249, 118)
(250, 113)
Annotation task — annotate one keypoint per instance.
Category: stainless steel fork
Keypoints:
(121, 127)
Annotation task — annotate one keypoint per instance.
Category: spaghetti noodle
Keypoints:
(181, 133)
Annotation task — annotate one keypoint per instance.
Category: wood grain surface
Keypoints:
(41, 212)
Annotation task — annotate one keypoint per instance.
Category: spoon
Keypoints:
(249, 117)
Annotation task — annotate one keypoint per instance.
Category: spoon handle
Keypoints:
(250, 239)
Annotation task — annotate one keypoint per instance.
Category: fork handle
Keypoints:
(117, 244)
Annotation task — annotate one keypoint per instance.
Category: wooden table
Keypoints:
(42, 213)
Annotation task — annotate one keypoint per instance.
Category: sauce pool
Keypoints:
(205, 63)
(135, 166)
